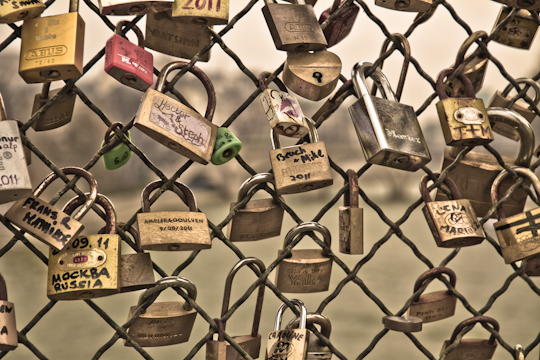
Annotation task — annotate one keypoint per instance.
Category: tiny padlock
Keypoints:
(388, 131)
(464, 121)
(173, 124)
(437, 305)
(316, 349)
(133, 7)
(519, 32)
(300, 168)
(312, 75)
(260, 218)
(226, 147)
(294, 27)
(202, 12)
(128, 63)
(405, 323)
(173, 230)
(88, 267)
(11, 11)
(341, 26)
(289, 344)
(304, 270)
(8, 328)
(52, 47)
(119, 155)
(406, 5)
(59, 114)
(46, 222)
(351, 219)
(164, 323)
(477, 349)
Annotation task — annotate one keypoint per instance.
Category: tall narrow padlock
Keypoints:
(406, 5)
(531, 5)
(341, 26)
(88, 267)
(133, 7)
(8, 328)
(260, 218)
(294, 27)
(173, 124)
(304, 270)
(477, 171)
(453, 223)
(477, 349)
(52, 47)
(282, 109)
(288, 344)
(312, 75)
(388, 131)
(11, 11)
(436, 305)
(316, 350)
(119, 155)
(128, 63)
(250, 343)
(172, 230)
(464, 121)
(226, 147)
(59, 114)
(202, 12)
(519, 32)
(164, 323)
(46, 222)
(351, 219)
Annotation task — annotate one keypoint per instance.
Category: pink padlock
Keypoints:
(128, 63)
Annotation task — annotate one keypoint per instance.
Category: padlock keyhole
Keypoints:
(317, 75)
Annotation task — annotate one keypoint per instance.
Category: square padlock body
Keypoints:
(59, 114)
(518, 235)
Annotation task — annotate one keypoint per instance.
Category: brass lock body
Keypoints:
(59, 114)
(12, 11)
(406, 5)
(202, 12)
(290, 344)
(8, 327)
(477, 349)
(316, 350)
(351, 219)
(519, 32)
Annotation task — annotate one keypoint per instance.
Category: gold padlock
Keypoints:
(519, 32)
(8, 327)
(316, 350)
(351, 219)
(59, 114)
(11, 11)
(477, 349)
(288, 344)
(202, 12)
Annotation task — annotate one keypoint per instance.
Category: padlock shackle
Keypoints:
(211, 105)
(253, 181)
(123, 23)
(468, 88)
(114, 125)
(3, 289)
(525, 81)
(305, 227)
(313, 135)
(524, 172)
(134, 234)
(518, 349)
(221, 329)
(460, 58)
(314, 318)
(167, 282)
(78, 172)
(101, 200)
(3, 114)
(358, 78)
(73, 5)
(432, 273)
(350, 197)
(181, 190)
(456, 195)
(263, 85)
(44, 94)
(260, 294)
(283, 307)
(404, 68)
(473, 321)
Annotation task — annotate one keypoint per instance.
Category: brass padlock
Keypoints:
(133, 7)
(173, 124)
(202, 12)
(453, 223)
(388, 131)
(282, 109)
(304, 270)
(288, 344)
(52, 47)
(531, 5)
(437, 305)
(11, 11)
(405, 323)
(294, 27)
(316, 350)
(302, 167)
(8, 328)
(259, 219)
(477, 349)
(351, 219)
(88, 267)
(59, 114)
(519, 32)
(464, 121)
(163, 323)
(502, 99)
(342, 25)
(477, 171)
(173, 230)
(221, 350)
(46, 222)
(406, 5)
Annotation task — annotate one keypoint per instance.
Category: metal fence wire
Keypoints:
(394, 228)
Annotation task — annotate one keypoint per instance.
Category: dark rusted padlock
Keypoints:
(519, 32)
(351, 219)
(477, 349)
(341, 26)
(8, 327)
(59, 114)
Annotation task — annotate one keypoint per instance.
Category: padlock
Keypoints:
(59, 114)
(294, 27)
(288, 344)
(476, 171)
(436, 305)
(172, 230)
(351, 219)
(175, 37)
(133, 7)
(405, 323)
(531, 5)
(226, 147)
(119, 155)
(3, 116)
(282, 109)
(173, 124)
(464, 121)
(12, 11)
(300, 168)
(8, 328)
(406, 5)
(341, 26)
(221, 350)
(519, 32)
(502, 99)
(312, 75)
(388, 131)
(316, 350)
(88, 267)
(477, 349)
(52, 47)
(46, 222)
(202, 12)
(259, 219)
(164, 323)
(128, 63)
(304, 270)
(453, 223)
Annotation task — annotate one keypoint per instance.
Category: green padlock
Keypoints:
(119, 155)
(226, 147)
